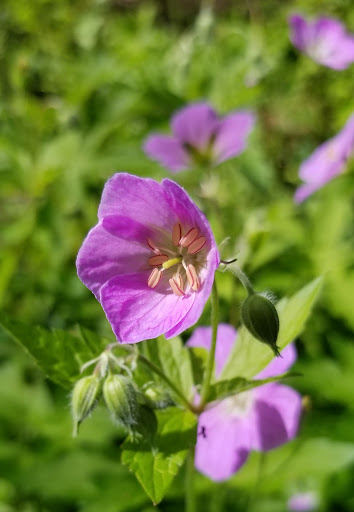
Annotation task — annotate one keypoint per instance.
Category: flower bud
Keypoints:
(121, 399)
(85, 396)
(261, 319)
(158, 397)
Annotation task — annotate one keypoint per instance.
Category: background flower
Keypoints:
(324, 40)
(260, 419)
(303, 502)
(327, 161)
(200, 137)
(150, 260)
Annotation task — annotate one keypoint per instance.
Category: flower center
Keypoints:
(180, 260)
(238, 405)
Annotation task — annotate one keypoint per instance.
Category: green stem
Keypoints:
(242, 277)
(189, 483)
(210, 363)
(164, 377)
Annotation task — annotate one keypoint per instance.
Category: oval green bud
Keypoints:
(261, 319)
(84, 398)
(121, 399)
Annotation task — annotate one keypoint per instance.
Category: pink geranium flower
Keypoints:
(327, 161)
(260, 419)
(200, 136)
(150, 260)
(303, 502)
(324, 40)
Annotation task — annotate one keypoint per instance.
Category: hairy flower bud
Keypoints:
(158, 397)
(85, 396)
(261, 319)
(121, 399)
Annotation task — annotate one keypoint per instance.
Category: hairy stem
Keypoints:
(210, 363)
(242, 277)
(190, 502)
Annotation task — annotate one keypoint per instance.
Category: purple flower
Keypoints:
(150, 260)
(326, 162)
(303, 502)
(324, 40)
(260, 419)
(200, 136)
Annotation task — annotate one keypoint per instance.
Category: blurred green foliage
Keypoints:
(82, 83)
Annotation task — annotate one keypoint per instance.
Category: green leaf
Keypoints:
(156, 461)
(249, 356)
(225, 388)
(173, 358)
(199, 357)
(58, 353)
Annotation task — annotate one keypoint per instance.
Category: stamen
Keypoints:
(197, 245)
(170, 263)
(176, 288)
(189, 237)
(176, 234)
(154, 278)
(153, 246)
(192, 277)
(158, 260)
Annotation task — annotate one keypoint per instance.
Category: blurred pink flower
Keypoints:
(326, 162)
(303, 502)
(324, 40)
(200, 136)
(260, 419)
(150, 260)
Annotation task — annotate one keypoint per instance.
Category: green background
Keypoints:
(82, 83)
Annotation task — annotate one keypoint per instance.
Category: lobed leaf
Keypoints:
(155, 460)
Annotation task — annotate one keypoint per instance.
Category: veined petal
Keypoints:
(226, 339)
(127, 228)
(223, 443)
(103, 256)
(141, 199)
(168, 151)
(137, 312)
(231, 136)
(195, 125)
(276, 416)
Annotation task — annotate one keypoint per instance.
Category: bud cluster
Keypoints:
(121, 396)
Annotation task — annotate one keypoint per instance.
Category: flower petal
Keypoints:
(137, 312)
(195, 125)
(134, 197)
(276, 416)
(280, 365)
(226, 339)
(168, 151)
(103, 256)
(223, 443)
(231, 138)
(127, 228)
(299, 32)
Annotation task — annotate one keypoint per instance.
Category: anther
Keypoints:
(177, 290)
(153, 246)
(189, 237)
(192, 277)
(176, 234)
(154, 278)
(197, 245)
(157, 260)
